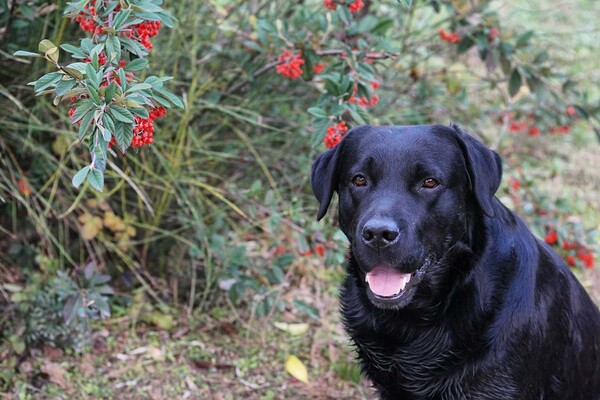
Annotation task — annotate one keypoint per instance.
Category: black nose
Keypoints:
(380, 233)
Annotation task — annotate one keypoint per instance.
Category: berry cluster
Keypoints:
(363, 101)
(86, 21)
(101, 59)
(143, 31)
(143, 130)
(334, 135)
(354, 6)
(575, 250)
(527, 124)
(450, 37)
(291, 65)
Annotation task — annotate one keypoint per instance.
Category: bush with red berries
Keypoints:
(351, 55)
(110, 104)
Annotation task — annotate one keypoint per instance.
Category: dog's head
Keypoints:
(406, 197)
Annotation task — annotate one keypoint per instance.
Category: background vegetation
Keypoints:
(199, 269)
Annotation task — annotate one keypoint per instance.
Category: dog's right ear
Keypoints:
(324, 178)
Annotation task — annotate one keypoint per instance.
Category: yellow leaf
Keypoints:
(295, 368)
(294, 329)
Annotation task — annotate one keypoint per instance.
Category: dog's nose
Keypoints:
(380, 233)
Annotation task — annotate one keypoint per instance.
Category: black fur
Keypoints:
(493, 313)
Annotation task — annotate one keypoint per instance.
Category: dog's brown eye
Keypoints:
(430, 183)
(359, 180)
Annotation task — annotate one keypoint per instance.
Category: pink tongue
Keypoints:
(386, 281)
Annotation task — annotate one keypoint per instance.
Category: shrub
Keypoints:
(224, 191)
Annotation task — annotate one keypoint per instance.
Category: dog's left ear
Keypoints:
(484, 167)
(324, 178)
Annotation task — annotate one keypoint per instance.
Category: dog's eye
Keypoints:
(359, 180)
(430, 183)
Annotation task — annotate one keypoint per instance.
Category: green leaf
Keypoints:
(108, 123)
(405, 3)
(121, 114)
(123, 135)
(113, 49)
(123, 79)
(46, 81)
(139, 86)
(465, 44)
(109, 92)
(169, 96)
(133, 47)
(23, 53)
(317, 112)
(514, 82)
(96, 179)
(80, 176)
(92, 76)
(64, 86)
(157, 82)
(69, 48)
(136, 65)
(162, 101)
(86, 121)
(94, 96)
(356, 115)
(537, 86)
(139, 111)
(524, 39)
(120, 18)
(83, 108)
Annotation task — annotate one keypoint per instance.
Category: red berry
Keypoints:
(356, 6)
(551, 237)
(335, 134)
(290, 66)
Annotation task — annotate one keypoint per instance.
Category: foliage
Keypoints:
(57, 312)
(109, 103)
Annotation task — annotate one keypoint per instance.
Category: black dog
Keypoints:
(449, 295)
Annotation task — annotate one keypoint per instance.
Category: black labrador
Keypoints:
(448, 294)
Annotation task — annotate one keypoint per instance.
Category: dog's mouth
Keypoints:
(391, 289)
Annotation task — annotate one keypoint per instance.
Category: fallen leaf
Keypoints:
(294, 329)
(52, 353)
(295, 368)
(86, 366)
(55, 373)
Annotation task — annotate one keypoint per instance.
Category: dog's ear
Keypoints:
(484, 167)
(324, 178)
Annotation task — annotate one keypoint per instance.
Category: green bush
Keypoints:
(219, 203)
